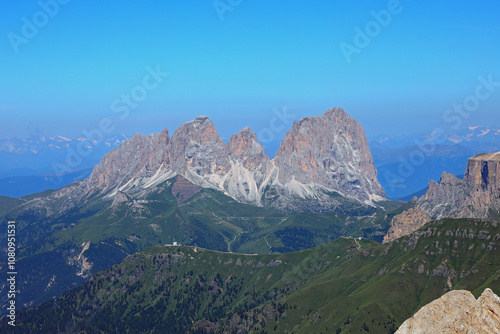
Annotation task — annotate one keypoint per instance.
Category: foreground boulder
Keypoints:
(456, 312)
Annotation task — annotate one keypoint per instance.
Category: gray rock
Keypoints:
(456, 312)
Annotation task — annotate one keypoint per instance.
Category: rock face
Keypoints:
(328, 151)
(406, 223)
(456, 312)
(138, 157)
(251, 168)
(198, 151)
(320, 156)
(476, 196)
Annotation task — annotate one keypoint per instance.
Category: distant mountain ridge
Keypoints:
(36, 144)
(43, 155)
(19, 186)
(466, 136)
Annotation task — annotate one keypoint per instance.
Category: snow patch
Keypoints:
(63, 138)
(484, 132)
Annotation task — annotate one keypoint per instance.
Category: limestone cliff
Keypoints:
(457, 312)
(476, 196)
(406, 223)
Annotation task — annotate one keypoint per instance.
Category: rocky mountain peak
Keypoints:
(201, 130)
(457, 312)
(449, 179)
(137, 157)
(198, 149)
(406, 223)
(336, 112)
(245, 148)
(164, 135)
(330, 151)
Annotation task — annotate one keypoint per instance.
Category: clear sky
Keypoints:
(64, 68)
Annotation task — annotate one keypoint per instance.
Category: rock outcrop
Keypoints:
(456, 312)
(406, 223)
(477, 195)
(198, 152)
(120, 197)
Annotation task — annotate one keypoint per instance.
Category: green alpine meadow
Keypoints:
(349, 285)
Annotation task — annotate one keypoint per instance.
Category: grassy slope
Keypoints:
(209, 219)
(326, 289)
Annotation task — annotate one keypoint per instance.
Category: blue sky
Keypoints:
(263, 56)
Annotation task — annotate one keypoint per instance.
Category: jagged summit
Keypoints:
(336, 111)
(244, 145)
(329, 114)
(199, 119)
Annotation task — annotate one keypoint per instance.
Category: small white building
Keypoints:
(175, 243)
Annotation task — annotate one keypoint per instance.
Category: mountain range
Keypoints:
(36, 154)
(27, 166)
(321, 159)
(32, 165)
(228, 202)
(471, 137)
